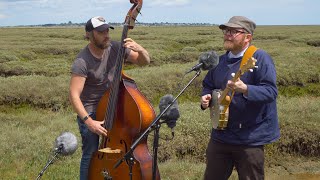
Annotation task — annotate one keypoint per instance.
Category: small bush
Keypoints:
(205, 33)
(190, 41)
(298, 140)
(60, 35)
(6, 72)
(28, 55)
(270, 37)
(184, 57)
(139, 33)
(189, 49)
(5, 57)
(315, 43)
(53, 50)
(37, 91)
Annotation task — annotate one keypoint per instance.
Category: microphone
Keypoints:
(172, 114)
(66, 144)
(207, 61)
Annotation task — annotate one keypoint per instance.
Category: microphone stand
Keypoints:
(56, 153)
(154, 125)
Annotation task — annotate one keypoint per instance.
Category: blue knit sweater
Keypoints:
(253, 120)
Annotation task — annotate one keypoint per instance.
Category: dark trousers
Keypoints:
(222, 158)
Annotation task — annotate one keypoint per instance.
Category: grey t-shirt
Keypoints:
(98, 73)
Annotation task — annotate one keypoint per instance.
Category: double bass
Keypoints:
(126, 113)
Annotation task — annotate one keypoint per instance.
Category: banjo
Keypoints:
(220, 101)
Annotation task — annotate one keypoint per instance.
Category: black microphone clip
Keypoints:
(197, 67)
(59, 149)
(207, 61)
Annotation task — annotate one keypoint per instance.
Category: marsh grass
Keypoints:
(35, 71)
(30, 134)
(29, 140)
(36, 91)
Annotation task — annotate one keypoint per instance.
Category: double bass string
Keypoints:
(115, 85)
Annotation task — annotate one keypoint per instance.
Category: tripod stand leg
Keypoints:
(155, 151)
(47, 165)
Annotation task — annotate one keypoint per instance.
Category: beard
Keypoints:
(233, 45)
(101, 45)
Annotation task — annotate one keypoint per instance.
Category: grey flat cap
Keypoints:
(240, 22)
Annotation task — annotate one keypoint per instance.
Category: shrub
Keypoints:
(5, 57)
(189, 49)
(184, 57)
(301, 141)
(28, 55)
(37, 91)
(314, 42)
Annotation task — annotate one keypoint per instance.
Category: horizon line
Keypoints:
(141, 23)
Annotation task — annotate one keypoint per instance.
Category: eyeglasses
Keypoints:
(231, 32)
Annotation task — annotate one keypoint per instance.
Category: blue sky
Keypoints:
(263, 12)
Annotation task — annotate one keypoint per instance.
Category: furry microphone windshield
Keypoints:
(66, 144)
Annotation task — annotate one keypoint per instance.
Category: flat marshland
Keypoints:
(34, 109)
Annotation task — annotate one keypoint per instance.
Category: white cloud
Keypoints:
(2, 5)
(287, 2)
(3, 16)
(169, 3)
(23, 4)
(213, 11)
(110, 1)
(24, 1)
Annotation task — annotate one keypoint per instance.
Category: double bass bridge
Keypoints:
(108, 150)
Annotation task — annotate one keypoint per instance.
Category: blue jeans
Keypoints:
(90, 143)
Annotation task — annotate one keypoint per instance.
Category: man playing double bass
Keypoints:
(91, 75)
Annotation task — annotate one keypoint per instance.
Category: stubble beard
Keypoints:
(101, 45)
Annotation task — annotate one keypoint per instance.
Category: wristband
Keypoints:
(85, 118)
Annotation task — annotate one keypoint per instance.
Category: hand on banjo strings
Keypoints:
(237, 86)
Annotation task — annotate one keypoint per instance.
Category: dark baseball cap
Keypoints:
(240, 22)
(98, 23)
